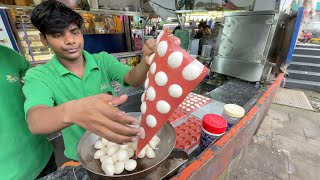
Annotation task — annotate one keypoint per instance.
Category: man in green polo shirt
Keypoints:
(23, 155)
(69, 93)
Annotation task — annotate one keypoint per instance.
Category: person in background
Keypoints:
(210, 37)
(23, 155)
(70, 93)
(307, 37)
(153, 31)
(301, 36)
(199, 33)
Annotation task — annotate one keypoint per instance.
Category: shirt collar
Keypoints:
(89, 64)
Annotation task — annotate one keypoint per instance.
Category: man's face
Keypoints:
(207, 31)
(67, 45)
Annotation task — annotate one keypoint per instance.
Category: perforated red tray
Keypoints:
(193, 102)
(188, 134)
(177, 115)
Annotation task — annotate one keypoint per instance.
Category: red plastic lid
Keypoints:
(214, 123)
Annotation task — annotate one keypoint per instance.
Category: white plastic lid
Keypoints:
(234, 110)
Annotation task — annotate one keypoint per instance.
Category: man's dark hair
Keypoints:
(54, 17)
(206, 26)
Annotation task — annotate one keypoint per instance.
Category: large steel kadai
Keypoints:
(86, 150)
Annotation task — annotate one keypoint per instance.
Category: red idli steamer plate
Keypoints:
(183, 71)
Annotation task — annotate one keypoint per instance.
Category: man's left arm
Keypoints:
(136, 76)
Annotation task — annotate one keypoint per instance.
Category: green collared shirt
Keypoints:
(23, 155)
(52, 84)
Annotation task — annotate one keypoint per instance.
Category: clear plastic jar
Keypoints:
(232, 113)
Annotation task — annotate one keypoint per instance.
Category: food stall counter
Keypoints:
(191, 163)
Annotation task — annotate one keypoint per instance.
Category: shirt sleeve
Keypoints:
(18, 61)
(116, 70)
(36, 92)
(24, 66)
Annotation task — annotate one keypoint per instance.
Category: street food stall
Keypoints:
(178, 155)
(100, 26)
(187, 160)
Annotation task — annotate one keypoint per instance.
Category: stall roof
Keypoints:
(93, 11)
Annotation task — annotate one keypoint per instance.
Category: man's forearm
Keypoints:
(46, 120)
(137, 75)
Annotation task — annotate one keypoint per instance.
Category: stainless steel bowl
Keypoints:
(85, 152)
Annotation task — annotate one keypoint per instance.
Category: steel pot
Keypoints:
(85, 152)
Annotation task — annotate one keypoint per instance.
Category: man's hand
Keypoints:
(97, 114)
(150, 47)
(175, 39)
(137, 75)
